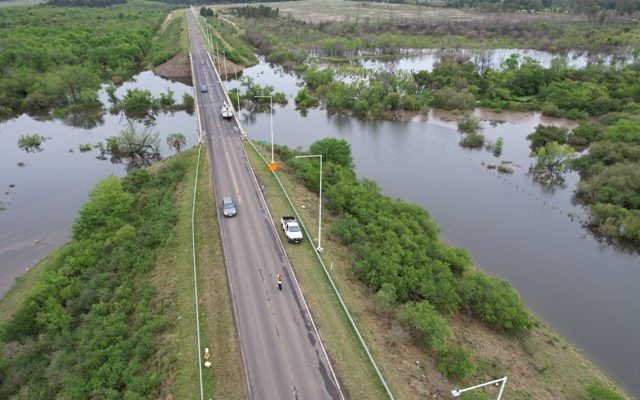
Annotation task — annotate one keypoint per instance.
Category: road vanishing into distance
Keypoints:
(282, 353)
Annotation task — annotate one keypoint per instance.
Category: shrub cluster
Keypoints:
(399, 255)
(89, 328)
(56, 57)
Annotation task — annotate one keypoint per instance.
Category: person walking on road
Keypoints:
(280, 281)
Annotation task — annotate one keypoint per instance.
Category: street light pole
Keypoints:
(235, 72)
(271, 105)
(319, 248)
(458, 392)
(225, 71)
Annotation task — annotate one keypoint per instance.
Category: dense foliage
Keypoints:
(399, 255)
(610, 182)
(597, 391)
(57, 57)
(89, 328)
(85, 3)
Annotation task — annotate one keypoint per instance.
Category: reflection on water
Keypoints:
(85, 119)
(425, 59)
(515, 228)
(50, 186)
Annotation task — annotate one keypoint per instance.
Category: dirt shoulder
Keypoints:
(177, 67)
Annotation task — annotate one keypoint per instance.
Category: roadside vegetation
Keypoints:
(110, 315)
(228, 38)
(433, 321)
(56, 58)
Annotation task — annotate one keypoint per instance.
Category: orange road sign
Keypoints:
(273, 166)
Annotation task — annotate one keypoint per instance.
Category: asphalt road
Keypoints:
(282, 354)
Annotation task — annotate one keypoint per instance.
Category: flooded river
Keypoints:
(42, 198)
(513, 227)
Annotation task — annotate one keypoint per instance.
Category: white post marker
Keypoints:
(458, 392)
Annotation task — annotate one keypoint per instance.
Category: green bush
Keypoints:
(584, 134)
(494, 301)
(598, 391)
(475, 395)
(544, 134)
(469, 124)
(455, 362)
(426, 324)
(452, 99)
(304, 99)
(31, 142)
(551, 110)
(472, 141)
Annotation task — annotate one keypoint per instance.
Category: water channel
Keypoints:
(513, 227)
(42, 198)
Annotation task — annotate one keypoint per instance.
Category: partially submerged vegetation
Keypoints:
(606, 97)
(56, 58)
(110, 315)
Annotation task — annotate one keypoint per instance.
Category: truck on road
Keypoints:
(226, 111)
(291, 229)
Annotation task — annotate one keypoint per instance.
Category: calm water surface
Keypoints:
(513, 227)
(425, 59)
(52, 185)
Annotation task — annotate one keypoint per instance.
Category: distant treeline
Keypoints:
(580, 6)
(256, 12)
(221, 1)
(85, 3)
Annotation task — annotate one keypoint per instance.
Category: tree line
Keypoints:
(260, 11)
(85, 3)
(57, 57)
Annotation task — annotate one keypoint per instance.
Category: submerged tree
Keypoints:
(551, 161)
(133, 147)
(176, 140)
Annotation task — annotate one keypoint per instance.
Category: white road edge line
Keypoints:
(193, 241)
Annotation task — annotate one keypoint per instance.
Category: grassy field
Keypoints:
(173, 277)
(339, 10)
(540, 365)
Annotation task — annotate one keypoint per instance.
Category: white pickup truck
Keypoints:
(291, 229)
(226, 111)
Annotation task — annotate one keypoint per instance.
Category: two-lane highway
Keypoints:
(282, 354)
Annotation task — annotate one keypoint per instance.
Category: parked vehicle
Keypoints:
(226, 111)
(228, 207)
(291, 229)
